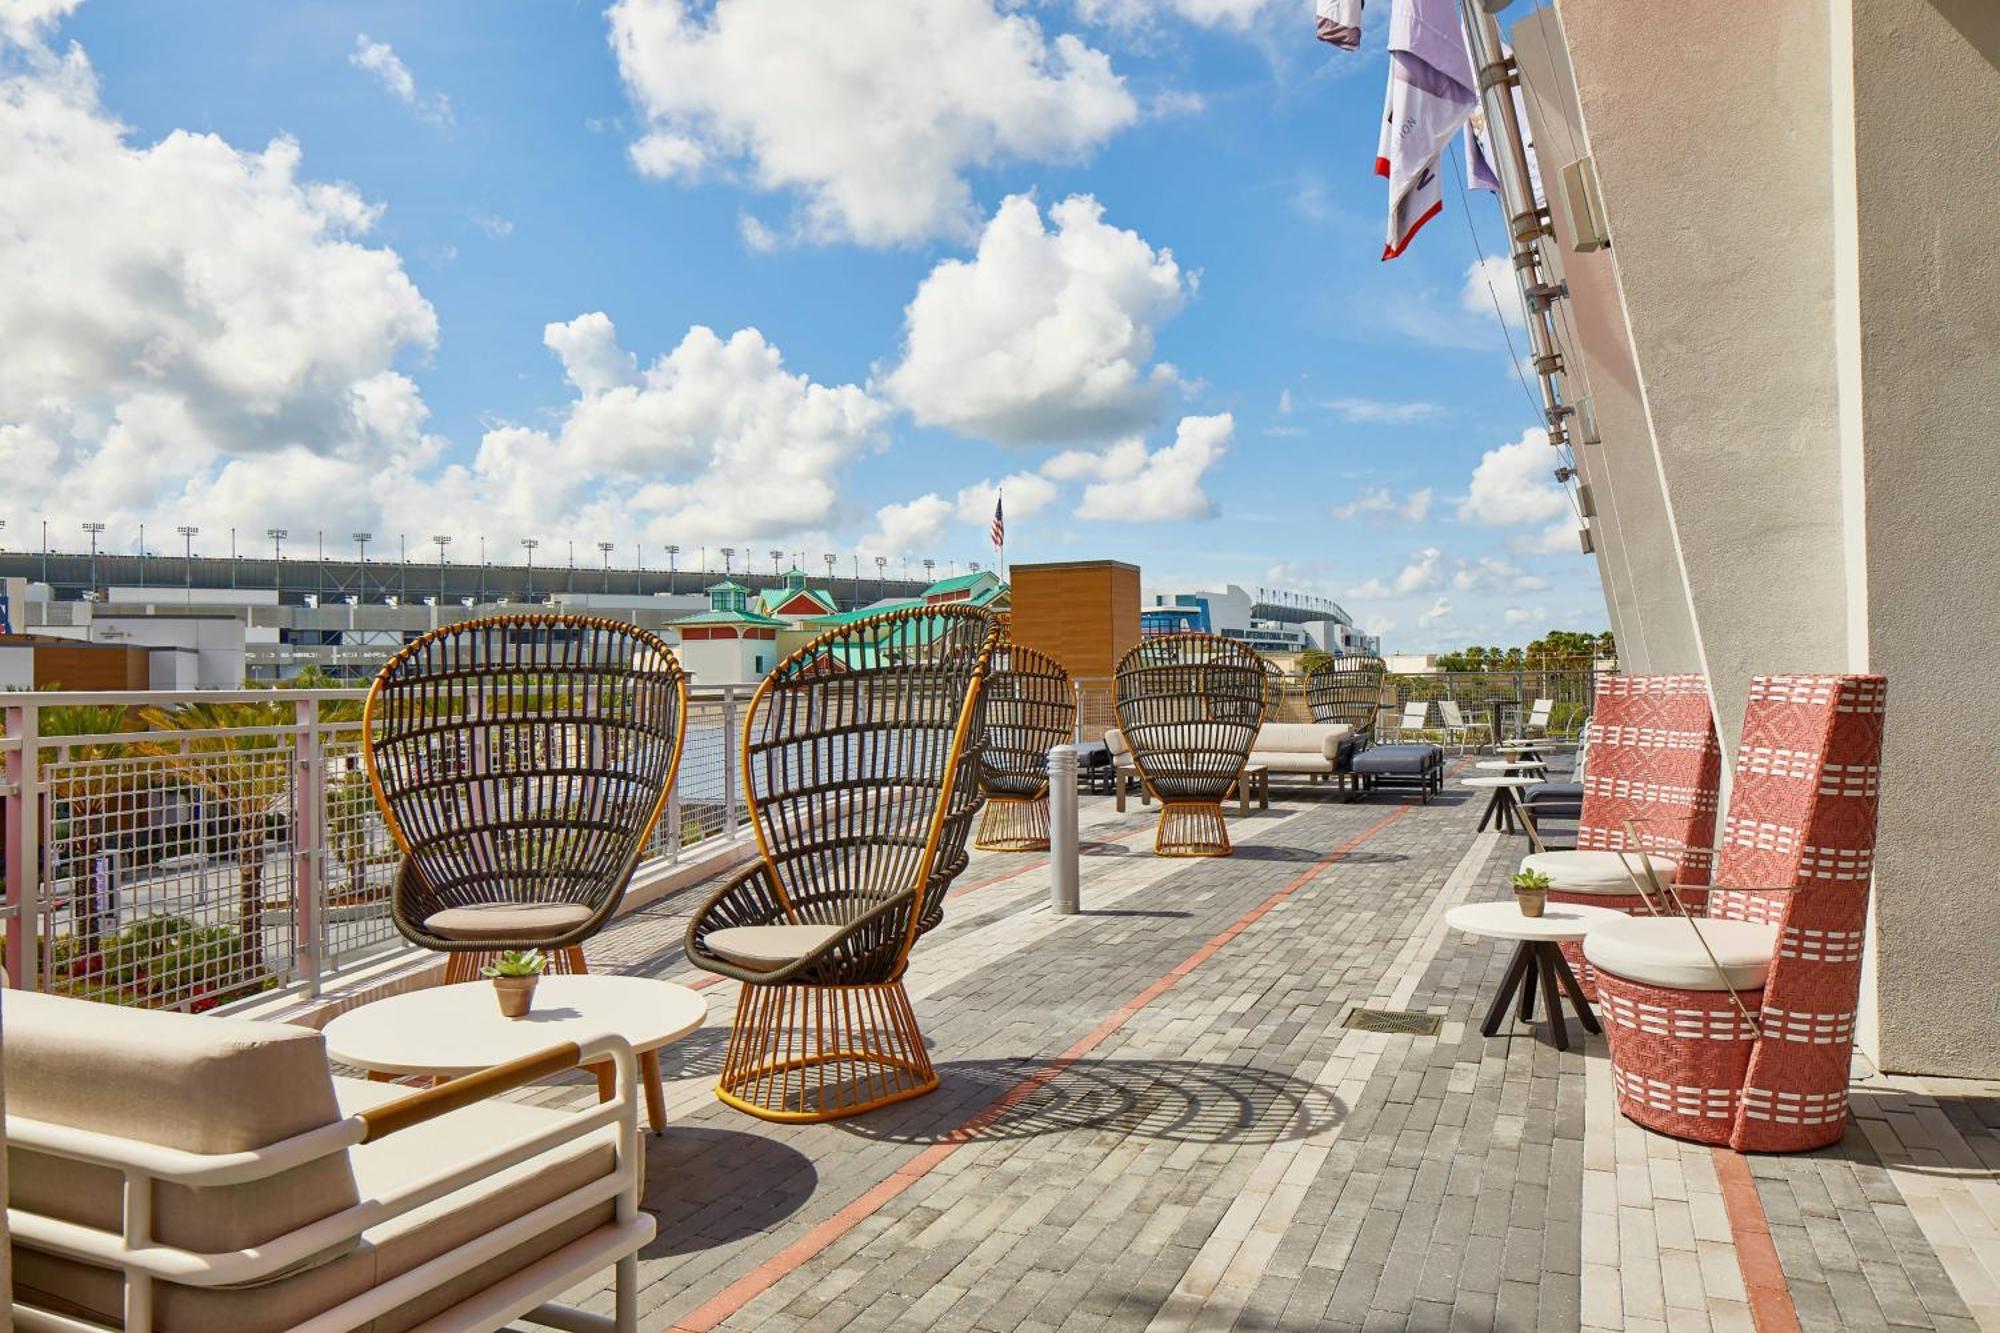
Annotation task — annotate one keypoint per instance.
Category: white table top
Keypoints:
(459, 1029)
(1509, 765)
(1503, 920)
(1490, 782)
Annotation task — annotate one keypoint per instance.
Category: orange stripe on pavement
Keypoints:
(760, 1279)
(1771, 1307)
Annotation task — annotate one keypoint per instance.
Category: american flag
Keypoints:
(999, 532)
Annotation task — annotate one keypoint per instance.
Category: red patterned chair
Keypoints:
(1737, 1027)
(1654, 768)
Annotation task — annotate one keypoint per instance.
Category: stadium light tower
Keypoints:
(443, 540)
(277, 536)
(93, 528)
(728, 553)
(929, 565)
(605, 548)
(881, 576)
(830, 558)
(531, 543)
(672, 551)
(188, 532)
(776, 556)
(361, 540)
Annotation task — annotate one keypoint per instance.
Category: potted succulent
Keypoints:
(1531, 890)
(514, 975)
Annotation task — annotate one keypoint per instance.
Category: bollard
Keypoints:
(1063, 865)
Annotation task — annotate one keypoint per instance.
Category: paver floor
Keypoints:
(1152, 1116)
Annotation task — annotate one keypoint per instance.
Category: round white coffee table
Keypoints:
(1536, 958)
(453, 1030)
(1503, 808)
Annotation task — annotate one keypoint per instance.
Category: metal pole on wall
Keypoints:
(1064, 867)
(1526, 224)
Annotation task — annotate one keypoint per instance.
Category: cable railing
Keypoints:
(184, 850)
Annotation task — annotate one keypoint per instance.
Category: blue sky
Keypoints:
(1198, 365)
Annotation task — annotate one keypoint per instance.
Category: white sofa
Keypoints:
(1301, 749)
(176, 1172)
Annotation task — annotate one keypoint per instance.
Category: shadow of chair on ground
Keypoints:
(708, 1187)
(1181, 1101)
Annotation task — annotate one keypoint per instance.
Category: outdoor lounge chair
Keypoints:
(1190, 706)
(1347, 690)
(1456, 728)
(1410, 727)
(861, 759)
(1030, 708)
(1736, 1026)
(1652, 779)
(194, 1174)
(521, 763)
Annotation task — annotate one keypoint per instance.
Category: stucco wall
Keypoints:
(1643, 583)
(1712, 142)
(1922, 338)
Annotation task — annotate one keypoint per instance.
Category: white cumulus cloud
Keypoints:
(871, 113)
(1374, 411)
(1515, 483)
(1419, 573)
(1490, 284)
(381, 60)
(1044, 335)
(1136, 485)
(1379, 506)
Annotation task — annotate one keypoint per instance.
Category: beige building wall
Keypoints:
(1635, 539)
(1805, 263)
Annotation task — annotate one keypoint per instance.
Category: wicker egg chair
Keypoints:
(1190, 706)
(521, 763)
(1347, 690)
(1030, 708)
(861, 757)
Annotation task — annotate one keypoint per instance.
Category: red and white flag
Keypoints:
(1431, 94)
(999, 532)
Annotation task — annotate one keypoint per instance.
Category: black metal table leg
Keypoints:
(1492, 811)
(1517, 968)
(1551, 999)
(1584, 1013)
(1530, 975)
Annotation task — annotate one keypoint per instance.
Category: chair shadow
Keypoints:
(708, 1187)
(1103, 849)
(1265, 852)
(1180, 1101)
(1127, 911)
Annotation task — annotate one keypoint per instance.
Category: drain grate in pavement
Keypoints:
(1400, 1022)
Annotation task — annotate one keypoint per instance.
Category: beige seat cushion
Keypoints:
(206, 1085)
(1292, 761)
(1309, 738)
(525, 922)
(768, 948)
(1121, 753)
(1664, 951)
(1595, 872)
(395, 1246)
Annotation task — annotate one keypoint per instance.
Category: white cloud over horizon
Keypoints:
(1045, 335)
(868, 119)
(1514, 484)
(380, 59)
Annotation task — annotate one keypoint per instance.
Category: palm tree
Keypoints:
(91, 796)
(244, 770)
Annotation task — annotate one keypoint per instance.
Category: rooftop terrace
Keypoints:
(1152, 1115)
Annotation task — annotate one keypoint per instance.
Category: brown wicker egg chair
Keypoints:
(1190, 706)
(1030, 708)
(521, 763)
(1349, 690)
(861, 758)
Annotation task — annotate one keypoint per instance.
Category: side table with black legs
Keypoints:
(1537, 965)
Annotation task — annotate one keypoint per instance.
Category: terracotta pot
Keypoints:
(515, 995)
(1532, 900)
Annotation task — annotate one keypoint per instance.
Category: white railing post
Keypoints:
(309, 844)
(1064, 867)
(24, 845)
(729, 762)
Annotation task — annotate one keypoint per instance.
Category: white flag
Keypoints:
(1431, 93)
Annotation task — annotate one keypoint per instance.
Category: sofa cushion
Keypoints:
(1595, 872)
(1310, 738)
(1665, 951)
(1292, 761)
(1554, 800)
(767, 948)
(523, 922)
(1121, 753)
(205, 1085)
(389, 1249)
(1402, 760)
